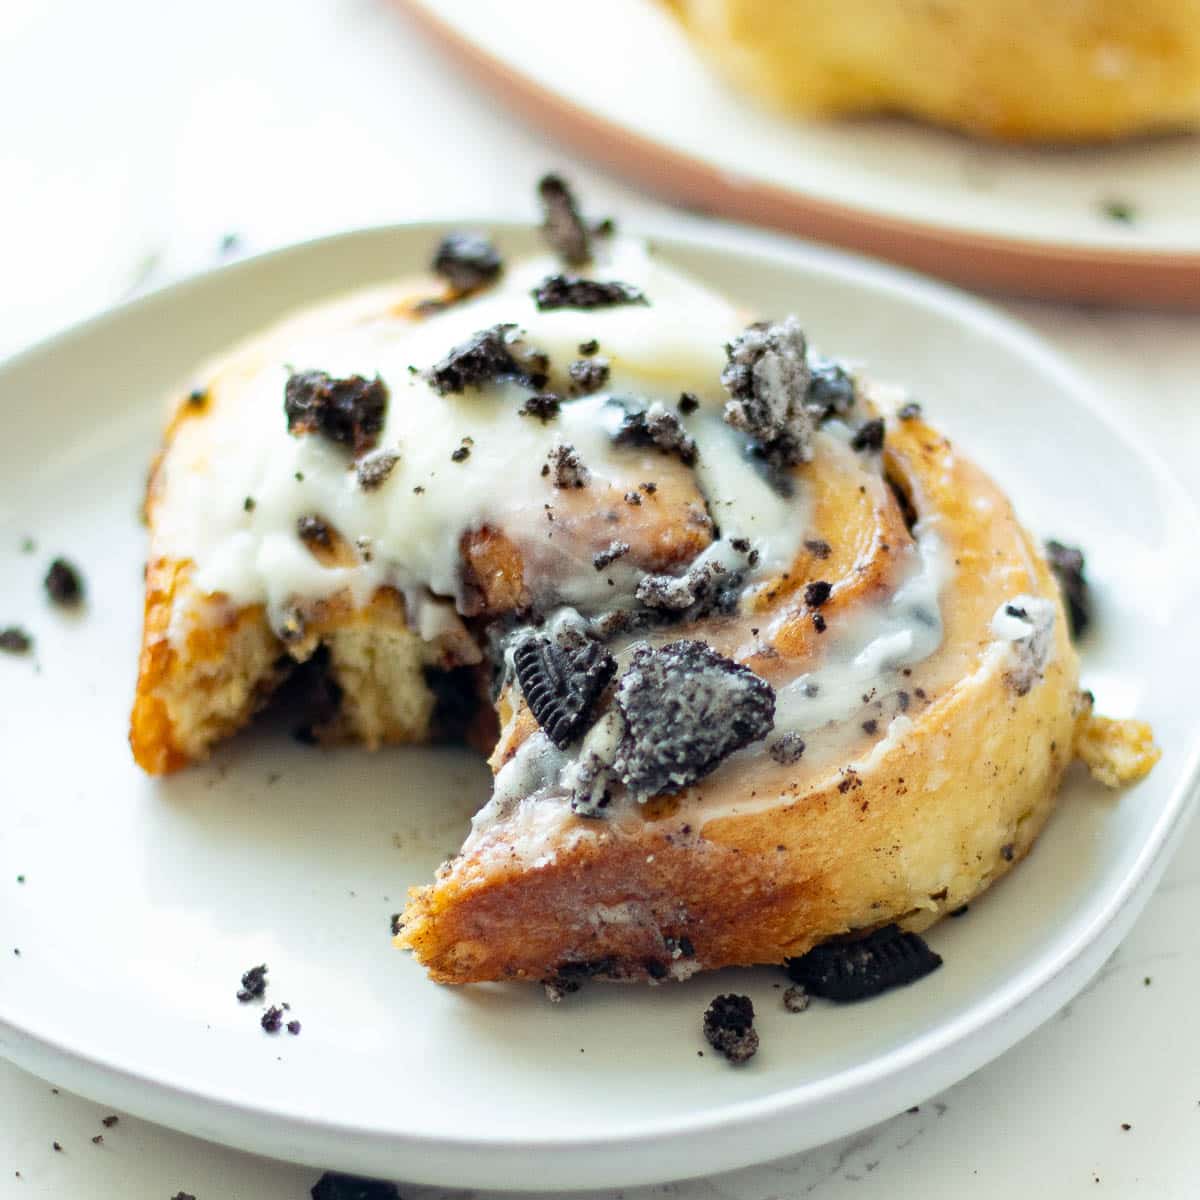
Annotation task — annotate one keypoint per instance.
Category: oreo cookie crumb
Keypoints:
(819, 623)
(831, 391)
(567, 467)
(787, 749)
(588, 348)
(1067, 563)
(869, 436)
(64, 584)
(909, 412)
(685, 709)
(467, 261)
(373, 472)
(335, 1186)
(495, 354)
(562, 226)
(254, 984)
(1008, 851)
(293, 1027)
(573, 291)
(588, 375)
(561, 683)
(558, 988)
(648, 488)
(817, 592)
(545, 406)
(688, 403)
(871, 726)
(313, 531)
(703, 588)
(97, 1139)
(796, 999)
(856, 970)
(634, 498)
(729, 1027)
(609, 555)
(461, 454)
(110, 1121)
(767, 378)
(14, 640)
(346, 411)
(658, 427)
(397, 924)
(818, 548)
(57, 1147)
(272, 1019)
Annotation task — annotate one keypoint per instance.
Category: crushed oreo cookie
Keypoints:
(704, 588)
(374, 471)
(254, 984)
(347, 411)
(909, 412)
(729, 1027)
(335, 1186)
(1067, 563)
(14, 640)
(685, 709)
(856, 970)
(64, 584)
(272, 1019)
(610, 554)
(830, 392)
(688, 403)
(561, 682)
(588, 348)
(767, 378)
(494, 355)
(462, 453)
(567, 467)
(658, 427)
(869, 436)
(313, 531)
(467, 261)
(818, 548)
(817, 593)
(588, 375)
(562, 225)
(787, 749)
(544, 405)
(796, 999)
(573, 291)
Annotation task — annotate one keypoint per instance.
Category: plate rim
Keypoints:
(962, 1044)
(1151, 278)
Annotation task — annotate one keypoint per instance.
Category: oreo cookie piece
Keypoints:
(869, 436)
(767, 378)
(685, 710)
(571, 291)
(883, 960)
(347, 411)
(1067, 563)
(562, 683)
(588, 375)
(335, 1186)
(729, 1027)
(830, 391)
(492, 355)
(657, 426)
(467, 261)
(562, 226)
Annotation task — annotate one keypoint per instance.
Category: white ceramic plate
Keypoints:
(143, 900)
(629, 88)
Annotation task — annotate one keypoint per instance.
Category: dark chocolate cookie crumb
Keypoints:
(346, 411)
(272, 1019)
(870, 726)
(97, 1139)
(909, 412)
(558, 988)
(634, 498)
(183, 1196)
(14, 640)
(467, 261)
(869, 436)
(856, 970)
(796, 999)
(830, 392)
(567, 467)
(817, 592)
(729, 1027)
(335, 1186)
(496, 354)
(1067, 563)
(573, 291)
(254, 984)
(819, 623)
(545, 406)
(609, 555)
(588, 375)
(703, 588)
(313, 531)
(373, 472)
(461, 454)
(110, 1121)
(818, 548)
(688, 403)
(588, 348)
(293, 1027)
(658, 427)
(57, 1147)
(562, 226)
(1008, 851)
(767, 379)
(63, 583)
(787, 749)
(562, 683)
(686, 709)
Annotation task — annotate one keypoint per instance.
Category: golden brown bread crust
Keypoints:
(1022, 70)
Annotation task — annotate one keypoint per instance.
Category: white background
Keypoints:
(135, 135)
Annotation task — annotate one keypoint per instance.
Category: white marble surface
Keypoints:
(134, 136)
